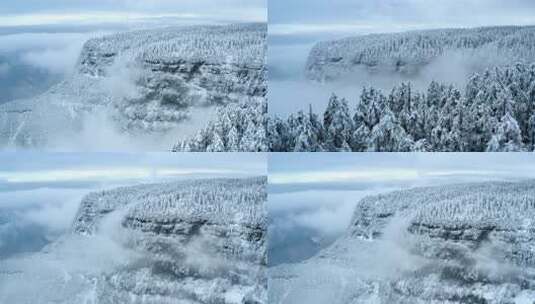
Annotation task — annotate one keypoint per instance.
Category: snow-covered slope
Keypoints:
(470, 243)
(409, 51)
(198, 241)
(149, 81)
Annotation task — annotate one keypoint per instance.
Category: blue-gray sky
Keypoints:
(385, 167)
(33, 167)
(351, 17)
(32, 12)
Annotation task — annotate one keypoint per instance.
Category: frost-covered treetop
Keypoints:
(239, 44)
(216, 201)
(515, 43)
(498, 205)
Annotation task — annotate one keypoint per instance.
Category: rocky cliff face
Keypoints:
(408, 53)
(200, 241)
(453, 244)
(150, 81)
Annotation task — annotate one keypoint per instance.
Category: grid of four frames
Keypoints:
(199, 152)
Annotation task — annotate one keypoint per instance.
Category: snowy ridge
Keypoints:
(224, 218)
(407, 52)
(242, 45)
(466, 243)
(145, 82)
(216, 199)
(192, 242)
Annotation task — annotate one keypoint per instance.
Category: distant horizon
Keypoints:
(57, 12)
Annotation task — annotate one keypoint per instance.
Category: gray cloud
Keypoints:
(43, 167)
(57, 54)
(4, 69)
(509, 164)
(54, 52)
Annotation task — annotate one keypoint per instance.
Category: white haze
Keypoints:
(56, 53)
(100, 132)
(52, 209)
(99, 129)
(67, 261)
(326, 211)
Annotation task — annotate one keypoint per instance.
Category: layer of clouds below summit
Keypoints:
(349, 17)
(55, 53)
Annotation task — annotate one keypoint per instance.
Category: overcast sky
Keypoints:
(289, 168)
(353, 17)
(31, 167)
(34, 12)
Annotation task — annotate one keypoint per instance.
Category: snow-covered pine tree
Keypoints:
(279, 136)
(337, 124)
(217, 144)
(507, 137)
(306, 140)
(388, 135)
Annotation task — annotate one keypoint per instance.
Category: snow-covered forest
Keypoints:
(237, 128)
(408, 52)
(494, 112)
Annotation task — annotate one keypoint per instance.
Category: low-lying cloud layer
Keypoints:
(54, 52)
(30, 63)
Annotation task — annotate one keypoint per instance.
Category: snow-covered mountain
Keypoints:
(468, 243)
(145, 82)
(190, 242)
(410, 51)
